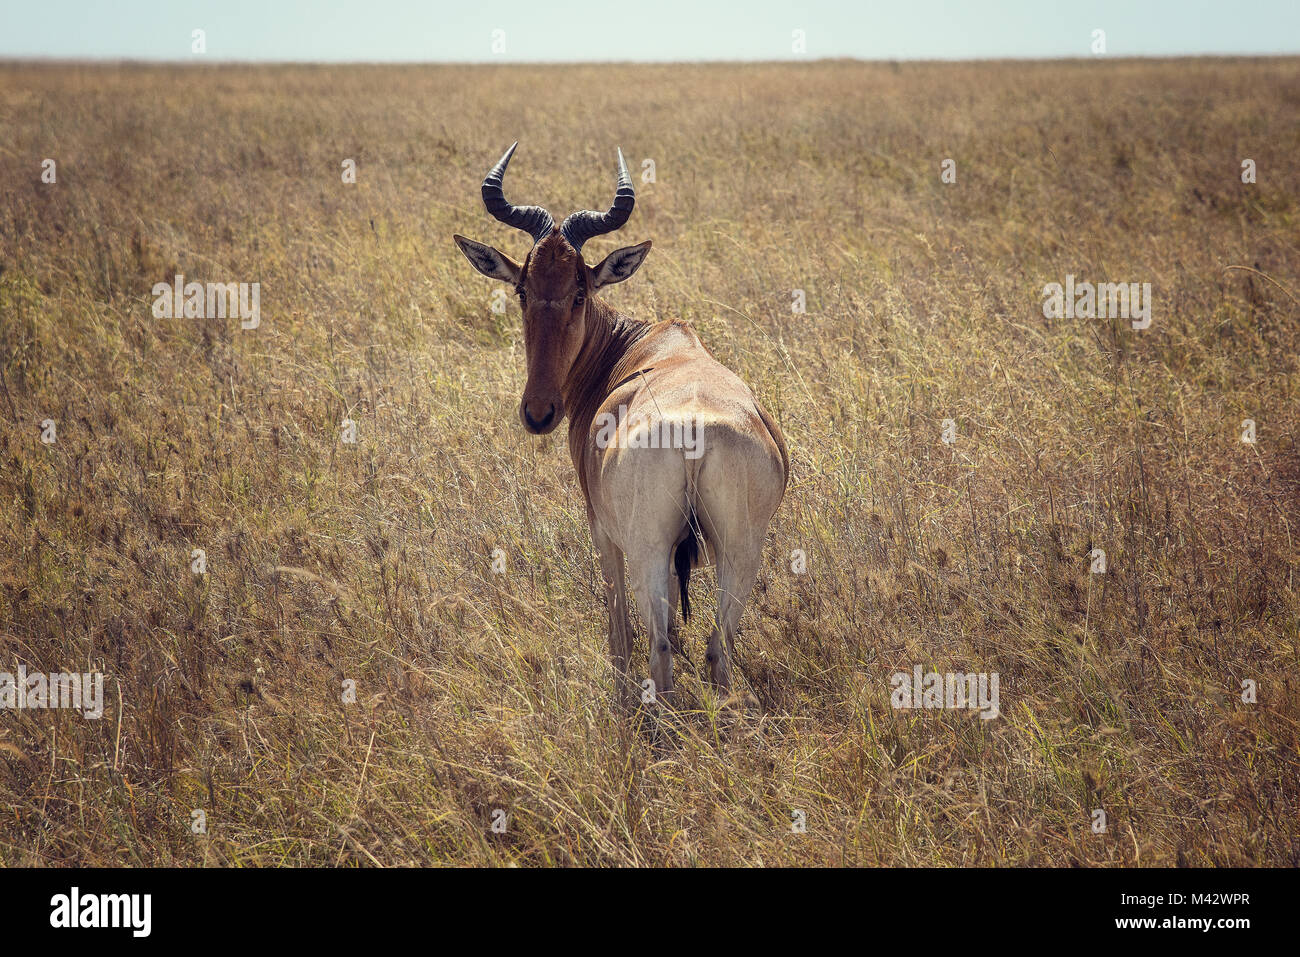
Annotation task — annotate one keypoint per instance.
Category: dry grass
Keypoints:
(479, 691)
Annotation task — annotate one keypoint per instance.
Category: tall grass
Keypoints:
(477, 691)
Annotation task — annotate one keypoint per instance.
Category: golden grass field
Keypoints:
(477, 691)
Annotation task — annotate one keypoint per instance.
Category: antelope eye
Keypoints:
(580, 298)
(522, 297)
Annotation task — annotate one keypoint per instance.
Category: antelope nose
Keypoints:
(535, 424)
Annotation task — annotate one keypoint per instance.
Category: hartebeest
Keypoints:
(679, 464)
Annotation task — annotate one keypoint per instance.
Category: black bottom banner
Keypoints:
(347, 907)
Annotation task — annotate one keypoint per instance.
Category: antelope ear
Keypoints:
(490, 262)
(621, 263)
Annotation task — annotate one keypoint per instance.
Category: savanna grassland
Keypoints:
(372, 562)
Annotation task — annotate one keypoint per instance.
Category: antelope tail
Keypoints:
(688, 550)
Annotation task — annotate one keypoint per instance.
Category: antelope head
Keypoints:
(555, 285)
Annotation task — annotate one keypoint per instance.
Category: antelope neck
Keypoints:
(602, 363)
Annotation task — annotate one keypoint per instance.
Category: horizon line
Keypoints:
(201, 60)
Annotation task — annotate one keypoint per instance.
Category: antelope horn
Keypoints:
(533, 220)
(581, 226)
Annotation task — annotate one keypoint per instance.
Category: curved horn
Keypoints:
(533, 220)
(581, 226)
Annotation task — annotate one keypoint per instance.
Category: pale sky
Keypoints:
(541, 31)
